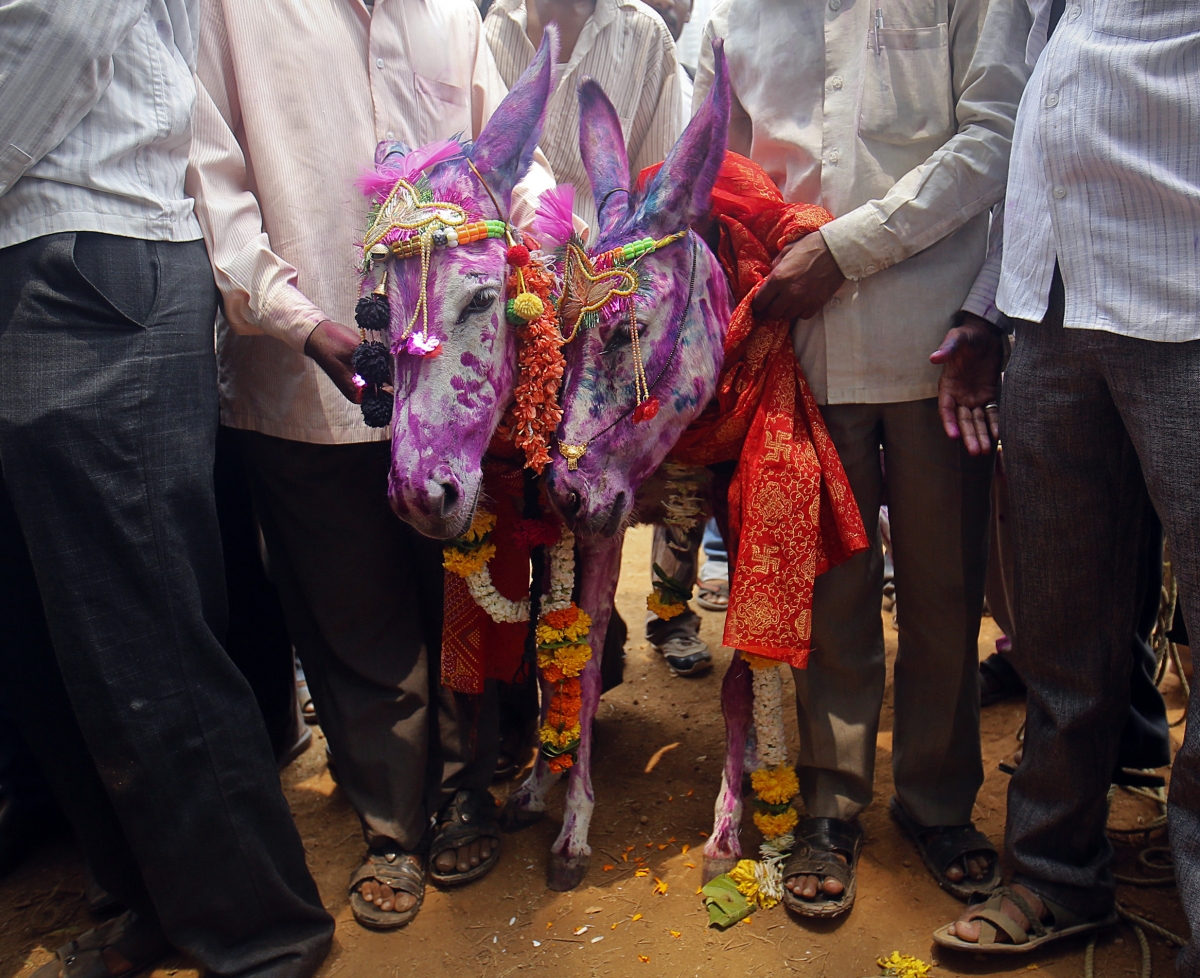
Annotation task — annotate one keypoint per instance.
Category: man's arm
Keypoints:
(258, 287)
(55, 63)
(967, 174)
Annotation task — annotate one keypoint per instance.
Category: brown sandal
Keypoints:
(139, 944)
(403, 872)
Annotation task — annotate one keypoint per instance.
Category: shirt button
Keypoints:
(836, 83)
(1074, 12)
(379, 62)
(1060, 193)
(870, 269)
(835, 4)
(389, 135)
(1052, 100)
(834, 156)
(834, 302)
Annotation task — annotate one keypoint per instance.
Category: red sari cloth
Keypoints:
(792, 515)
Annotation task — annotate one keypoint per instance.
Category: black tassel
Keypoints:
(377, 407)
(372, 362)
(373, 312)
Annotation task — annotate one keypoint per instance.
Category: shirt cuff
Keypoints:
(860, 243)
(289, 316)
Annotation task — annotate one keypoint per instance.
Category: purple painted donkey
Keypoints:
(619, 478)
(683, 310)
(449, 406)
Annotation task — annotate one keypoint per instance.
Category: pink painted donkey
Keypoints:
(683, 309)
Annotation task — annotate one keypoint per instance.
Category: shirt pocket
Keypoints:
(1148, 20)
(448, 106)
(906, 94)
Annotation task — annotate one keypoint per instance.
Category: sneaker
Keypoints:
(685, 655)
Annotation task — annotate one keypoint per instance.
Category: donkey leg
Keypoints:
(570, 855)
(527, 805)
(724, 848)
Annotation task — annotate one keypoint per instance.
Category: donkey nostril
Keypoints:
(449, 497)
(574, 503)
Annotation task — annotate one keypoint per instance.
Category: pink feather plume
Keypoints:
(554, 218)
(378, 182)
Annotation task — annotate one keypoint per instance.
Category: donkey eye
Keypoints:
(618, 339)
(481, 301)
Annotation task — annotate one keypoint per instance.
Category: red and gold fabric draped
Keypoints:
(792, 515)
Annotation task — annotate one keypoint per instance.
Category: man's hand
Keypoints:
(331, 344)
(804, 278)
(971, 356)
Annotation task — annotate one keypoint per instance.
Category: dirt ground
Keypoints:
(614, 923)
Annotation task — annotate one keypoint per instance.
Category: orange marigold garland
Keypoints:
(536, 413)
(563, 653)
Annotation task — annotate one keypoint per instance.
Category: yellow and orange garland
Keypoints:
(563, 653)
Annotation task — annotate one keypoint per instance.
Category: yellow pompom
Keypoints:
(528, 306)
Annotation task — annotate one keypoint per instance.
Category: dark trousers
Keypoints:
(257, 638)
(112, 601)
(362, 594)
(1101, 432)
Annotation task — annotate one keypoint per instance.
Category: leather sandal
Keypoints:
(472, 814)
(403, 872)
(819, 844)
(994, 921)
(940, 846)
(140, 944)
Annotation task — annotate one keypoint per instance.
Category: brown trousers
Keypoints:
(362, 594)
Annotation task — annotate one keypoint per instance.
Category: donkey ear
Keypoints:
(504, 150)
(605, 159)
(681, 191)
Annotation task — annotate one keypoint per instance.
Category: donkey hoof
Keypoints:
(714, 866)
(513, 817)
(565, 873)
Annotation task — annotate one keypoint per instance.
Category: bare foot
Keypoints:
(465, 858)
(810, 887)
(979, 867)
(966, 929)
(385, 898)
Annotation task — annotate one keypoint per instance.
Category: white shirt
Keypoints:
(295, 95)
(626, 47)
(1106, 172)
(906, 146)
(96, 102)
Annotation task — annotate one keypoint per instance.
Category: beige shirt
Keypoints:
(626, 47)
(906, 142)
(293, 97)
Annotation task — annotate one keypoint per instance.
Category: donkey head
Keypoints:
(454, 353)
(607, 445)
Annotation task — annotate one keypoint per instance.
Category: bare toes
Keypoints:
(384, 900)
(954, 873)
(832, 887)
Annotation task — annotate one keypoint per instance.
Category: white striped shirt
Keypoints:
(626, 47)
(310, 87)
(1105, 172)
(96, 102)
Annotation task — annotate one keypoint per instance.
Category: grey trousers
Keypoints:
(112, 601)
(362, 594)
(1100, 431)
(938, 500)
(677, 554)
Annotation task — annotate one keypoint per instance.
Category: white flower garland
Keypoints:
(562, 583)
(768, 716)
